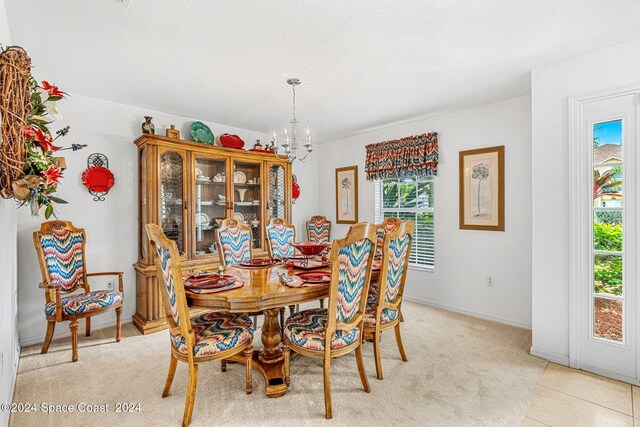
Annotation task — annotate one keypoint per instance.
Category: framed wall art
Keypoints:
(347, 195)
(482, 189)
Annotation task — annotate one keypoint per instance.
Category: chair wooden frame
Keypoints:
(404, 228)
(53, 292)
(278, 221)
(156, 236)
(357, 232)
(232, 222)
(315, 218)
(388, 224)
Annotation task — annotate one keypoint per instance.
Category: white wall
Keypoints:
(464, 258)
(111, 226)
(9, 347)
(551, 86)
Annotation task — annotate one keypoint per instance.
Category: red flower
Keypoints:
(30, 132)
(52, 174)
(52, 90)
(40, 137)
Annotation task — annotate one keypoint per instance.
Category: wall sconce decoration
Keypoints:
(97, 177)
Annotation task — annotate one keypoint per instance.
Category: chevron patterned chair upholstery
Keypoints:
(60, 249)
(234, 241)
(386, 226)
(280, 237)
(319, 229)
(202, 338)
(341, 324)
(384, 312)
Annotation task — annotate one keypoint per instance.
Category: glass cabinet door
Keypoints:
(209, 203)
(246, 197)
(276, 201)
(171, 197)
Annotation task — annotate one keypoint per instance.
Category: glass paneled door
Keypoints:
(210, 204)
(247, 190)
(277, 207)
(608, 224)
(172, 197)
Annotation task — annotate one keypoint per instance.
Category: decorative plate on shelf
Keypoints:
(201, 133)
(202, 219)
(239, 177)
(239, 216)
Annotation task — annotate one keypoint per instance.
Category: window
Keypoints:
(410, 200)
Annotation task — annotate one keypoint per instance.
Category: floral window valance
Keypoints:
(410, 157)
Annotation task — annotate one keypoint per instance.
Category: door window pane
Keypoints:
(608, 257)
(607, 319)
(607, 230)
(607, 274)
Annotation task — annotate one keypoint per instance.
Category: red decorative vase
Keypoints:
(231, 141)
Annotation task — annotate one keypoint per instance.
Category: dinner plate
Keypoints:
(209, 282)
(261, 262)
(202, 219)
(315, 276)
(239, 177)
(239, 216)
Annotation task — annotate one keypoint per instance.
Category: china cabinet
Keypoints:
(188, 188)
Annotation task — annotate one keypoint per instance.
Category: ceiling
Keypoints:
(363, 63)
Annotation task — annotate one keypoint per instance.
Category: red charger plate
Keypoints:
(315, 277)
(98, 179)
(208, 282)
(263, 262)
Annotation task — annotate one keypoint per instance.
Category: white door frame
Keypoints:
(580, 219)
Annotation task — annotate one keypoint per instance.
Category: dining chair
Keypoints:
(307, 332)
(385, 312)
(319, 229)
(386, 226)
(280, 238)
(234, 242)
(61, 253)
(207, 336)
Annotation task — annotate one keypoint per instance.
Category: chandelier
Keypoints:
(290, 132)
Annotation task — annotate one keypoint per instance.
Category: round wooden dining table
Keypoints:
(262, 291)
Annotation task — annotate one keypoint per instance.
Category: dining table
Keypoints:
(262, 291)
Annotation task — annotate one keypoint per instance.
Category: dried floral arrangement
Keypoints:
(29, 170)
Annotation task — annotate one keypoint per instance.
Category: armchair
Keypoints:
(61, 253)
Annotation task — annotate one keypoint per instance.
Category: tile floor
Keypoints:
(568, 397)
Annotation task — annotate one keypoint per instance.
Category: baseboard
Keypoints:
(62, 330)
(468, 312)
(560, 359)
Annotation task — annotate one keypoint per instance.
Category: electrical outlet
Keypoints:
(111, 284)
(489, 280)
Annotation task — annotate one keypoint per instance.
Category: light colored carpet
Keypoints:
(461, 371)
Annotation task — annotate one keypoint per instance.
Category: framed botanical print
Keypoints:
(347, 195)
(482, 189)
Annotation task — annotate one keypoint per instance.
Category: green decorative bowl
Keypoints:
(201, 133)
